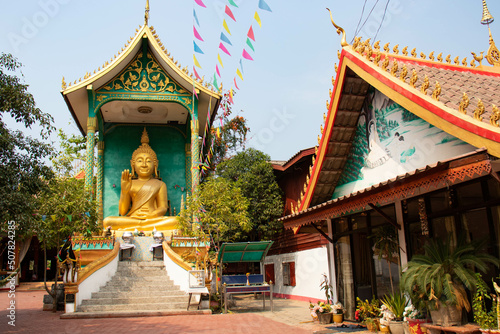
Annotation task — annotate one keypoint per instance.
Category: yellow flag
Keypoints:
(231, 93)
(218, 132)
(220, 60)
(257, 18)
(224, 24)
(196, 61)
(239, 74)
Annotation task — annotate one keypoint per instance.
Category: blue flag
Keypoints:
(263, 5)
(196, 17)
(225, 39)
(197, 48)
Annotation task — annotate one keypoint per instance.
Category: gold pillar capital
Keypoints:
(91, 124)
(100, 147)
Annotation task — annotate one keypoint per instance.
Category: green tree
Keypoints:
(65, 207)
(22, 158)
(251, 171)
(71, 154)
(217, 211)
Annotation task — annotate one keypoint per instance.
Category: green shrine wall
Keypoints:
(169, 144)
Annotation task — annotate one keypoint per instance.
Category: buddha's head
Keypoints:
(144, 161)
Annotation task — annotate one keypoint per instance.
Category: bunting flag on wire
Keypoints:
(229, 13)
(225, 39)
(239, 74)
(196, 63)
(231, 2)
(246, 55)
(235, 85)
(196, 73)
(195, 32)
(250, 44)
(250, 34)
(241, 66)
(263, 5)
(196, 17)
(224, 24)
(200, 3)
(197, 48)
(217, 70)
(257, 18)
(223, 48)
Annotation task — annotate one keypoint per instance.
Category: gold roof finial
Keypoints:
(343, 42)
(146, 13)
(487, 18)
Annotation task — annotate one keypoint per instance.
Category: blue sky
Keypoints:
(285, 88)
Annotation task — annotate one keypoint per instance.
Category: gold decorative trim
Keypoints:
(91, 124)
(340, 31)
(100, 147)
(175, 257)
(92, 267)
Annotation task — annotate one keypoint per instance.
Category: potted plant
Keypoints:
(338, 312)
(442, 274)
(486, 319)
(368, 312)
(414, 317)
(321, 311)
(396, 304)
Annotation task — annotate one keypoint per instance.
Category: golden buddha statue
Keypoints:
(143, 200)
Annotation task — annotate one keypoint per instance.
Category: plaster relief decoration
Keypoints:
(391, 141)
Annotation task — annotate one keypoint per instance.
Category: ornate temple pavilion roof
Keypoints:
(76, 94)
(458, 96)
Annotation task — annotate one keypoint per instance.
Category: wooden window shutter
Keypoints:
(269, 270)
(292, 274)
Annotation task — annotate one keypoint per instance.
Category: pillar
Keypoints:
(100, 180)
(195, 155)
(89, 161)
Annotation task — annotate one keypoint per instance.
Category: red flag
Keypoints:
(250, 34)
(194, 92)
(223, 48)
(246, 55)
(217, 69)
(229, 13)
(236, 84)
(196, 73)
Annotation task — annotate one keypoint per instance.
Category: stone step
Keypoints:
(126, 279)
(143, 264)
(133, 307)
(137, 293)
(130, 314)
(181, 298)
(145, 273)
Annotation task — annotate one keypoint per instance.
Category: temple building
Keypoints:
(142, 89)
(410, 143)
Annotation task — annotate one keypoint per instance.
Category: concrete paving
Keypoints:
(246, 316)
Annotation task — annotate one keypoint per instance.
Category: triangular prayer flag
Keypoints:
(249, 43)
(223, 48)
(196, 73)
(220, 60)
(196, 17)
(196, 61)
(231, 96)
(225, 39)
(224, 24)
(246, 55)
(197, 48)
(250, 34)
(200, 3)
(263, 5)
(229, 13)
(218, 132)
(215, 83)
(231, 2)
(53, 217)
(217, 69)
(257, 18)
(196, 34)
(239, 74)
(70, 217)
(241, 65)
(194, 92)
(235, 85)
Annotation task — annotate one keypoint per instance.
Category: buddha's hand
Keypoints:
(126, 181)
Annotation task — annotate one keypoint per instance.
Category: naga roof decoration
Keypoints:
(458, 96)
(75, 93)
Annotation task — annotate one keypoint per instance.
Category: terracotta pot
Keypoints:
(325, 318)
(372, 325)
(338, 318)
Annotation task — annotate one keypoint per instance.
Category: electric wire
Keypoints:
(362, 12)
(382, 21)
(375, 5)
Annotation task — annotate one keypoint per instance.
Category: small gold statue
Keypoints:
(143, 200)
